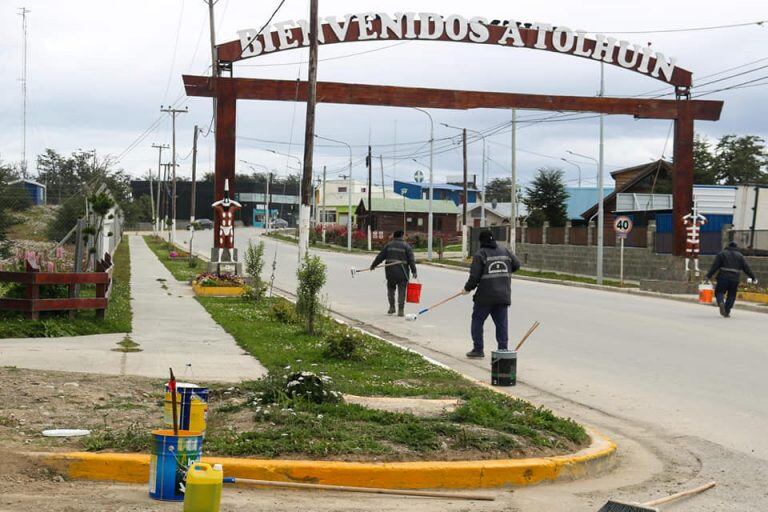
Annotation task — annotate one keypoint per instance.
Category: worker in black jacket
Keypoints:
(728, 264)
(491, 273)
(397, 250)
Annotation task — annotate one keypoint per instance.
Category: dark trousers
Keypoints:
(400, 286)
(726, 289)
(500, 319)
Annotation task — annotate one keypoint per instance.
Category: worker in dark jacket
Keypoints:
(728, 264)
(491, 272)
(397, 250)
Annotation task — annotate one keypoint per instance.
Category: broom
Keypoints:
(174, 411)
(372, 490)
(650, 506)
(530, 331)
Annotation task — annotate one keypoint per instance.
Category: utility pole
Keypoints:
(193, 194)
(513, 199)
(309, 131)
(324, 217)
(174, 112)
(600, 197)
(383, 186)
(151, 198)
(268, 216)
(23, 11)
(160, 148)
(464, 158)
(164, 203)
(369, 161)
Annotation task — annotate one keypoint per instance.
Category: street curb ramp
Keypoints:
(134, 468)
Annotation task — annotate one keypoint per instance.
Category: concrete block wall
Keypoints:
(639, 263)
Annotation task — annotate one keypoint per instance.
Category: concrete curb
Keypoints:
(134, 468)
(629, 291)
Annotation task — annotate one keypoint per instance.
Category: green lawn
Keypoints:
(55, 324)
(256, 418)
(178, 267)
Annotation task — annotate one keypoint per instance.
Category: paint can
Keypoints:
(171, 457)
(192, 407)
(503, 367)
(706, 293)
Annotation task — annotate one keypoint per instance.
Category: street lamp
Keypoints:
(288, 169)
(600, 214)
(266, 195)
(349, 191)
(575, 164)
(403, 192)
(431, 181)
(482, 177)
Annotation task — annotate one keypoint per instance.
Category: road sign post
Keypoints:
(622, 226)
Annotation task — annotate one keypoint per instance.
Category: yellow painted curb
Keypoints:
(134, 468)
(754, 297)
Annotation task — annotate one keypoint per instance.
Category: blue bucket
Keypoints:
(172, 455)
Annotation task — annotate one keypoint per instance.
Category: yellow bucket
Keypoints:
(192, 407)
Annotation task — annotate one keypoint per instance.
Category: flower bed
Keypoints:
(218, 285)
(178, 255)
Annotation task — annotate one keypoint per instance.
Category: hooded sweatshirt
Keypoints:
(491, 271)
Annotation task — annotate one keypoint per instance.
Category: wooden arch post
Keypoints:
(682, 174)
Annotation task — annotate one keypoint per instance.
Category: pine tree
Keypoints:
(546, 198)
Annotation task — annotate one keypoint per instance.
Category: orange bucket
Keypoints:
(413, 292)
(706, 293)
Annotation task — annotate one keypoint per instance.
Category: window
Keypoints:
(363, 189)
(342, 189)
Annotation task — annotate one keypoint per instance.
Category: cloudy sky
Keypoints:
(100, 70)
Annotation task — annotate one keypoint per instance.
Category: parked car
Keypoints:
(203, 224)
(279, 224)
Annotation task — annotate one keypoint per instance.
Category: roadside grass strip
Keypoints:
(180, 268)
(55, 324)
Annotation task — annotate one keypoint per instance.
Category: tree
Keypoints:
(741, 160)
(703, 162)
(499, 190)
(546, 198)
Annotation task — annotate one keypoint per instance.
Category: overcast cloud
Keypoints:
(99, 71)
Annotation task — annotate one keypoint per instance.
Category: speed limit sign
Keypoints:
(622, 225)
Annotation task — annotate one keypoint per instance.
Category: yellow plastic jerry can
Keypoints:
(203, 488)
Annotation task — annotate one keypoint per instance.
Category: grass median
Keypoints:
(55, 324)
(261, 418)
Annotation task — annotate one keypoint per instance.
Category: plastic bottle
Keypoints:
(203, 488)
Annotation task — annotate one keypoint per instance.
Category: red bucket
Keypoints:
(413, 292)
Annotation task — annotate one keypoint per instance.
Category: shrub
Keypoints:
(283, 311)
(343, 343)
(311, 276)
(254, 263)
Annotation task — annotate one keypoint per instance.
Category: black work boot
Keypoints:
(391, 310)
(401, 311)
(475, 354)
(721, 306)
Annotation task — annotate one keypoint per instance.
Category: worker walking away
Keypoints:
(490, 274)
(397, 250)
(729, 264)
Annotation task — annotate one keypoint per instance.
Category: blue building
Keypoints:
(35, 190)
(441, 191)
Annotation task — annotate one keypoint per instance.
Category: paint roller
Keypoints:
(413, 316)
(354, 271)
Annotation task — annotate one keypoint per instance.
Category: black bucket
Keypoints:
(503, 367)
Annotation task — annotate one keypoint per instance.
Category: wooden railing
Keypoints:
(33, 279)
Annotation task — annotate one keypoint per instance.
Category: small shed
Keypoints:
(36, 191)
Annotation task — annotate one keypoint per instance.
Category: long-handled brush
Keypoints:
(174, 410)
(413, 316)
(650, 506)
(530, 331)
(372, 490)
(354, 271)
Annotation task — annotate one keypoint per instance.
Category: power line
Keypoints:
(734, 86)
(689, 29)
(266, 24)
(323, 60)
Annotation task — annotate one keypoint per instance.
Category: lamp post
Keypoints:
(600, 214)
(349, 191)
(288, 169)
(403, 192)
(574, 164)
(431, 181)
(482, 177)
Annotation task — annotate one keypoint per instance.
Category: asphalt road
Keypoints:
(675, 374)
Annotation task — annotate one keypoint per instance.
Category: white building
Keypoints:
(337, 198)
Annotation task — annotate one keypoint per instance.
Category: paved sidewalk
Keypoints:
(171, 327)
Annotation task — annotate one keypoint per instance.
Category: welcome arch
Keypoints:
(433, 27)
